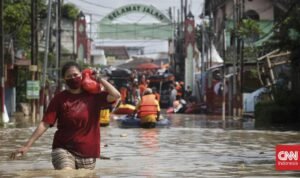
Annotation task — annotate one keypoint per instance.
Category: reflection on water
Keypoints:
(194, 146)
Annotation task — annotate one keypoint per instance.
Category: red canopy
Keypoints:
(148, 66)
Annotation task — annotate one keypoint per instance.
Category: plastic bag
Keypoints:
(89, 83)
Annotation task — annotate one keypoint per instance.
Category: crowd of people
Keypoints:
(133, 87)
(140, 91)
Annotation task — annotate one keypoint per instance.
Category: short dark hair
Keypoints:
(68, 65)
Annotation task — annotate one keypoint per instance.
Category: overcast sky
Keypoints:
(98, 9)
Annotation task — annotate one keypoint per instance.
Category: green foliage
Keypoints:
(17, 22)
(286, 33)
(286, 37)
(16, 16)
(69, 11)
(250, 52)
(249, 29)
(253, 74)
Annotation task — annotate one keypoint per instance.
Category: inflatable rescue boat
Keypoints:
(127, 121)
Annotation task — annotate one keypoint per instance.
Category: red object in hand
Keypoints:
(89, 83)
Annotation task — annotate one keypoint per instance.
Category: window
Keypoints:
(251, 14)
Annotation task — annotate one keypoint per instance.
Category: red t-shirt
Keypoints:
(77, 117)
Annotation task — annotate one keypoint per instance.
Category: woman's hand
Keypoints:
(19, 152)
(42, 127)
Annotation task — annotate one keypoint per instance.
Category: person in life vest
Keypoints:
(148, 109)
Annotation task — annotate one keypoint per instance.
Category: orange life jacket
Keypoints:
(148, 106)
(142, 88)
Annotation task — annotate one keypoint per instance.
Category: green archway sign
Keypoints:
(161, 30)
(136, 8)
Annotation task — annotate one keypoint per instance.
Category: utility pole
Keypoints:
(203, 98)
(34, 52)
(2, 90)
(202, 68)
(235, 57)
(58, 43)
(181, 14)
(74, 39)
(238, 47)
(210, 34)
(239, 59)
(242, 49)
(185, 9)
(60, 2)
(224, 93)
(224, 74)
(45, 66)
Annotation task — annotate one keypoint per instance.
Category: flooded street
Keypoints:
(194, 146)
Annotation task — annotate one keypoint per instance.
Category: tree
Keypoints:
(287, 38)
(16, 16)
(249, 30)
(287, 31)
(17, 26)
(70, 11)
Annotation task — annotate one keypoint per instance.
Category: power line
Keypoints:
(95, 4)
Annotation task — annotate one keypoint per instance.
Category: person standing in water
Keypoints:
(76, 142)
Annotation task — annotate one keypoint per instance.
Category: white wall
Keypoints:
(264, 8)
(99, 57)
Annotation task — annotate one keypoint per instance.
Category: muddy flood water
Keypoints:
(193, 146)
